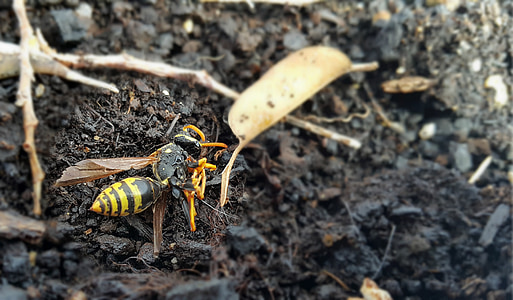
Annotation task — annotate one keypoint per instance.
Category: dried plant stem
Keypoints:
(130, 63)
(387, 249)
(480, 170)
(397, 127)
(338, 280)
(24, 99)
(348, 141)
(281, 2)
(340, 119)
(364, 67)
(43, 64)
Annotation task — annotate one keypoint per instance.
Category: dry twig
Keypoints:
(43, 64)
(344, 139)
(397, 127)
(251, 3)
(387, 249)
(480, 170)
(130, 63)
(340, 119)
(24, 99)
(338, 280)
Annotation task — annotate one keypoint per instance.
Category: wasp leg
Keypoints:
(195, 186)
(201, 190)
(191, 209)
(199, 165)
(214, 145)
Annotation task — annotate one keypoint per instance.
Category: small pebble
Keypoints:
(188, 26)
(84, 10)
(444, 126)
(429, 149)
(40, 90)
(476, 64)
(462, 127)
(294, 40)
(71, 28)
(501, 92)
(460, 156)
(427, 131)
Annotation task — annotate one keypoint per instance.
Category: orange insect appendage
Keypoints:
(198, 179)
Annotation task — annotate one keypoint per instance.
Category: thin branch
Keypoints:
(280, 2)
(338, 280)
(340, 119)
(387, 249)
(480, 170)
(24, 99)
(397, 127)
(130, 63)
(344, 139)
(43, 64)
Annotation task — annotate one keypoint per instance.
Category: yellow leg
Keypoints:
(198, 180)
(192, 209)
(214, 144)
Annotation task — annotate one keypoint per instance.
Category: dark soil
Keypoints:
(303, 210)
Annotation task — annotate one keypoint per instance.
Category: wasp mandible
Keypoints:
(174, 166)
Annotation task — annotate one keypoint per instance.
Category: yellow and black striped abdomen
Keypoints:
(129, 196)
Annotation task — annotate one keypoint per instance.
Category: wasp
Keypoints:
(174, 166)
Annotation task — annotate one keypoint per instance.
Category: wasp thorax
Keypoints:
(171, 164)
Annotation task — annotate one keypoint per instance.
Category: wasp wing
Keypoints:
(159, 210)
(92, 169)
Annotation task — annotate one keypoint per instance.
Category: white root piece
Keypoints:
(480, 170)
(282, 89)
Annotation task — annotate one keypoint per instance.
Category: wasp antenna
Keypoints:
(196, 129)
